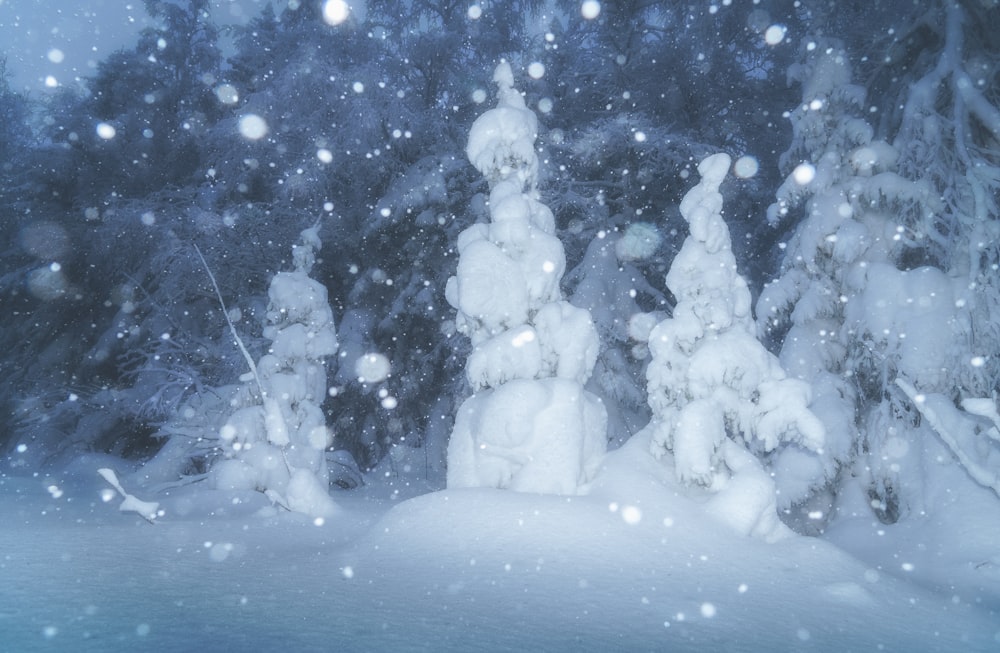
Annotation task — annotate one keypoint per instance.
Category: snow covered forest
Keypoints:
(430, 264)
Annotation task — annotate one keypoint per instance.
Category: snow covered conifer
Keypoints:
(530, 426)
(276, 438)
(848, 313)
(716, 393)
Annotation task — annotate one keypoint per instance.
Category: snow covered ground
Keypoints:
(633, 565)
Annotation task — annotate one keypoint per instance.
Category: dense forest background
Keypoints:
(112, 331)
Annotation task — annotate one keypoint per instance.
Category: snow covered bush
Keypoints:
(275, 439)
(716, 393)
(530, 425)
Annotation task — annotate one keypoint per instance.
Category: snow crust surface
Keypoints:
(634, 565)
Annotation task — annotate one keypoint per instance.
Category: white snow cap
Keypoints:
(502, 140)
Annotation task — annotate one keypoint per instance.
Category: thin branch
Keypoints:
(232, 328)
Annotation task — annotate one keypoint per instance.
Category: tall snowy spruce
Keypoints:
(275, 439)
(721, 402)
(858, 313)
(530, 426)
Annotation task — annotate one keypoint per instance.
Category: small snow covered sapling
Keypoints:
(148, 510)
(717, 395)
(530, 426)
(275, 440)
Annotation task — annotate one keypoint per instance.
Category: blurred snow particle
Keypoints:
(389, 402)
(775, 34)
(590, 9)
(49, 632)
(475, 12)
(336, 11)
(372, 368)
(358, 87)
(348, 572)
(803, 634)
(142, 630)
(707, 610)
(640, 324)
(742, 589)
(640, 241)
(804, 173)
(220, 551)
(745, 167)
(51, 82)
(631, 515)
(977, 361)
(253, 127)
(47, 283)
(105, 131)
(56, 55)
(545, 105)
(479, 96)
(324, 155)
(55, 491)
(640, 137)
(227, 94)
(44, 240)
(758, 20)
(536, 70)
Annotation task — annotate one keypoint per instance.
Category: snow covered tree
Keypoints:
(841, 184)
(946, 121)
(530, 425)
(856, 307)
(276, 439)
(717, 395)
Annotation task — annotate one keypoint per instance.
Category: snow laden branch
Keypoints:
(949, 132)
(718, 397)
(972, 433)
(148, 510)
(530, 426)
